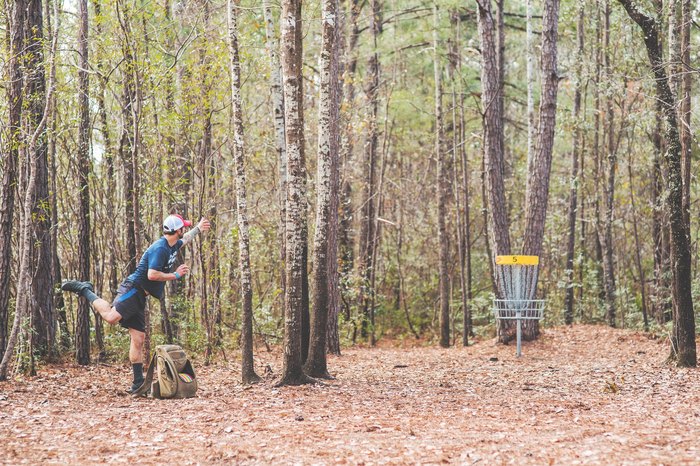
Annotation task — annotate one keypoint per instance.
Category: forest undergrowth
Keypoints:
(578, 395)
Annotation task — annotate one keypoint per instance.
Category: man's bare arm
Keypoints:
(203, 225)
(189, 236)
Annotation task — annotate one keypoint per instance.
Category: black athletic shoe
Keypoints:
(135, 386)
(76, 286)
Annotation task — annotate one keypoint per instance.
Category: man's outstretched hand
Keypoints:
(183, 270)
(203, 225)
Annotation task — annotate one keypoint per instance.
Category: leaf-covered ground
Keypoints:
(581, 395)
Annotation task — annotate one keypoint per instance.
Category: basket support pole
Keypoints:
(518, 333)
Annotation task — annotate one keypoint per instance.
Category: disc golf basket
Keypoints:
(516, 278)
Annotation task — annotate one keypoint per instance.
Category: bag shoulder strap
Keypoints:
(146, 385)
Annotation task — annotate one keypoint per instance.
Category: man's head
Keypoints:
(173, 225)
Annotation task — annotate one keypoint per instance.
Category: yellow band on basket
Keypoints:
(517, 260)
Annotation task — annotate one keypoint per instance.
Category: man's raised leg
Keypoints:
(86, 290)
(108, 313)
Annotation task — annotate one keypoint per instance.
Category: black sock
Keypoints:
(138, 373)
(90, 295)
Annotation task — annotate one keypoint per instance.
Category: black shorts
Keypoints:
(130, 303)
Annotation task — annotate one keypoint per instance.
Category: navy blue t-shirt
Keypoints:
(159, 256)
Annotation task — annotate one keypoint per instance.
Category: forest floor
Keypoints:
(580, 395)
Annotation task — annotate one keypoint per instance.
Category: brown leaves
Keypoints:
(582, 394)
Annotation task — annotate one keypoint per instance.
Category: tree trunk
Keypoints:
(128, 145)
(108, 221)
(609, 188)
(441, 192)
(108, 154)
(573, 196)
(325, 244)
(662, 308)
(530, 58)
(179, 177)
(346, 234)
(59, 303)
(272, 48)
(501, 65)
(295, 264)
(15, 43)
(684, 96)
(597, 164)
(43, 314)
(82, 332)
(208, 253)
(247, 366)
(25, 300)
(460, 169)
(24, 285)
(369, 202)
(537, 189)
(684, 350)
(498, 223)
(638, 245)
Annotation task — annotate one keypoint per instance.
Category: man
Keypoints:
(148, 279)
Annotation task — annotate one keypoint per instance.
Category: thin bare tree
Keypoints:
(82, 331)
(576, 150)
(441, 184)
(247, 367)
(272, 48)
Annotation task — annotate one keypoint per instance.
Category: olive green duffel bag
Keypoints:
(170, 375)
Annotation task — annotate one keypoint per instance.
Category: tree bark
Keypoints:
(295, 264)
(368, 234)
(530, 58)
(128, 144)
(108, 152)
(272, 48)
(43, 314)
(638, 245)
(461, 182)
(247, 367)
(498, 223)
(82, 332)
(325, 237)
(685, 104)
(179, 177)
(609, 188)
(441, 192)
(346, 235)
(573, 196)
(597, 160)
(9, 169)
(25, 299)
(537, 188)
(208, 253)
(684, 350)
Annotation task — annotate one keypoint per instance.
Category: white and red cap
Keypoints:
(174, 222)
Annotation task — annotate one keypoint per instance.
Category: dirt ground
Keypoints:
(581, 395)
